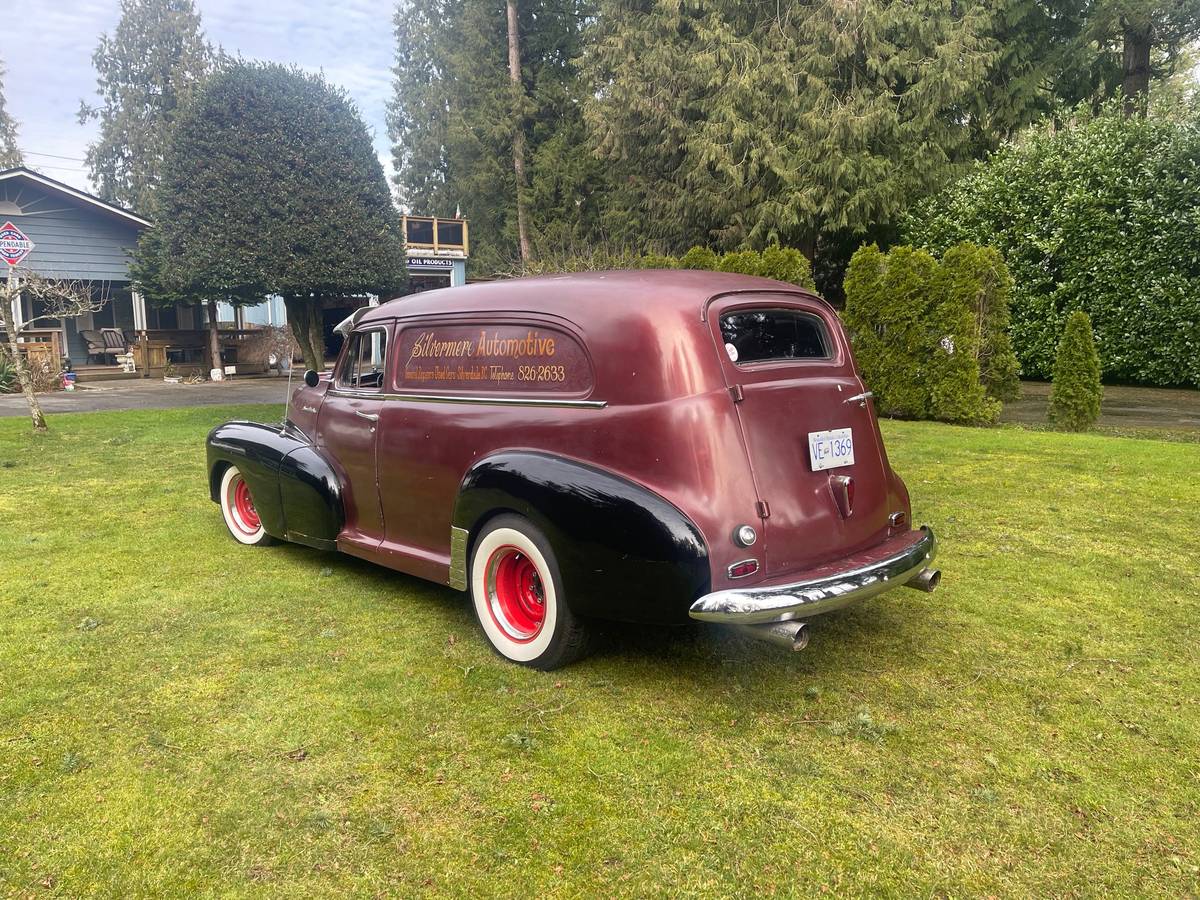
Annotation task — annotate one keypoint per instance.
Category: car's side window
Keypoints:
(362, 366)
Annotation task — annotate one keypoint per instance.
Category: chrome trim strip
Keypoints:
(458, 558)
(784, 602)
(454, 398)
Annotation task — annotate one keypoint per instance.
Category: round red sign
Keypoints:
(14, 245)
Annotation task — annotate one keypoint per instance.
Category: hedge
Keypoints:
(781, 263)
(925, 332)
(1102, 215)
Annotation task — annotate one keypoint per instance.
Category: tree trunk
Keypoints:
(300, 318)
(1136, 66)
(214, 337)
(518, 97)
(19, 362)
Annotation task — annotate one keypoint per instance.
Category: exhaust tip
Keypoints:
(926, 580)
(791, 635)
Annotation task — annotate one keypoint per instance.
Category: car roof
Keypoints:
(584, 296)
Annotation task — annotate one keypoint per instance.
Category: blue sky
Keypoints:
(49, 69)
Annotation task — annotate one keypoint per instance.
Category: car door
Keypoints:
(788, 366)
(348, 431)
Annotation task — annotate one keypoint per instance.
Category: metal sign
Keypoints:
(430, 262)
(14, 245)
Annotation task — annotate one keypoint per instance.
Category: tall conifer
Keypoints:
(145, 71)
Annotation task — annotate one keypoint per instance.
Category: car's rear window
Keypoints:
(759, 335)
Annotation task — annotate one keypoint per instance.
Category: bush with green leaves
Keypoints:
(923, 331)
(1076, 393)
(977, 278)
(781, 263)
(8, 373)
(699, 258)
(1102, 215)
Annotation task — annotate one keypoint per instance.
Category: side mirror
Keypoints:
(311, 378)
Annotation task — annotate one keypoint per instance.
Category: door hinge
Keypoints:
(763, 508)
(737, 393)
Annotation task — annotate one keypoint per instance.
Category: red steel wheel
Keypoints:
(237, 506)
(517, 595)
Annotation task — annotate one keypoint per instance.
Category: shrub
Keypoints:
(8, 373)
(1098, 214)
(887, 312)
(744, 262)
(787, 264)
(976, 277)
(699, 258)
(658, 261)
(923, 331)
(780, 263)
(1075, 396)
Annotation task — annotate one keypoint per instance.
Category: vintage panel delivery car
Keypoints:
(643, 446)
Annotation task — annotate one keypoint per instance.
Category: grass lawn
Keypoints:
(181, 715)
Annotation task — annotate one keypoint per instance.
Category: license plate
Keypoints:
(830, 449)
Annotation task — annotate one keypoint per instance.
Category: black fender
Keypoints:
(295, 487)
(623, 551)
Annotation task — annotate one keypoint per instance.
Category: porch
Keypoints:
(127, 333)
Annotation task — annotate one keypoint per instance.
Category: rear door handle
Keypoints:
(860, 398)
(370, 417)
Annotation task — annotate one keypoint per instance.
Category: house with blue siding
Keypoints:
(78, 237)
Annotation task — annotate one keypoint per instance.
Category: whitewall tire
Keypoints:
(517, 595)
(237, 506)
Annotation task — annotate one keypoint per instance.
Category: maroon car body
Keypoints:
(647, 431)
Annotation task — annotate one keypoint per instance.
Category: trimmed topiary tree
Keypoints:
(956, 390)
(888, 302)
(271, 185)
(1076, 393)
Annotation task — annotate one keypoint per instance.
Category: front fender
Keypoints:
(623, 551)
(295, 488)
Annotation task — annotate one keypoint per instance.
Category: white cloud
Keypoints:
(50, 71)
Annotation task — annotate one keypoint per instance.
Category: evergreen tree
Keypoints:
(145, 72)
(978, 281)
(1076, 393)
(270, 185)
(1140, 39)
(453, 116)
(751, 124)
(888, 302)
(10, 153)
(920, 326)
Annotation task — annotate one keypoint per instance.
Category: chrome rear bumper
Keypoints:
(891, 564)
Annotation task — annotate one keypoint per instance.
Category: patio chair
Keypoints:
(95, 344)
(114, 341)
